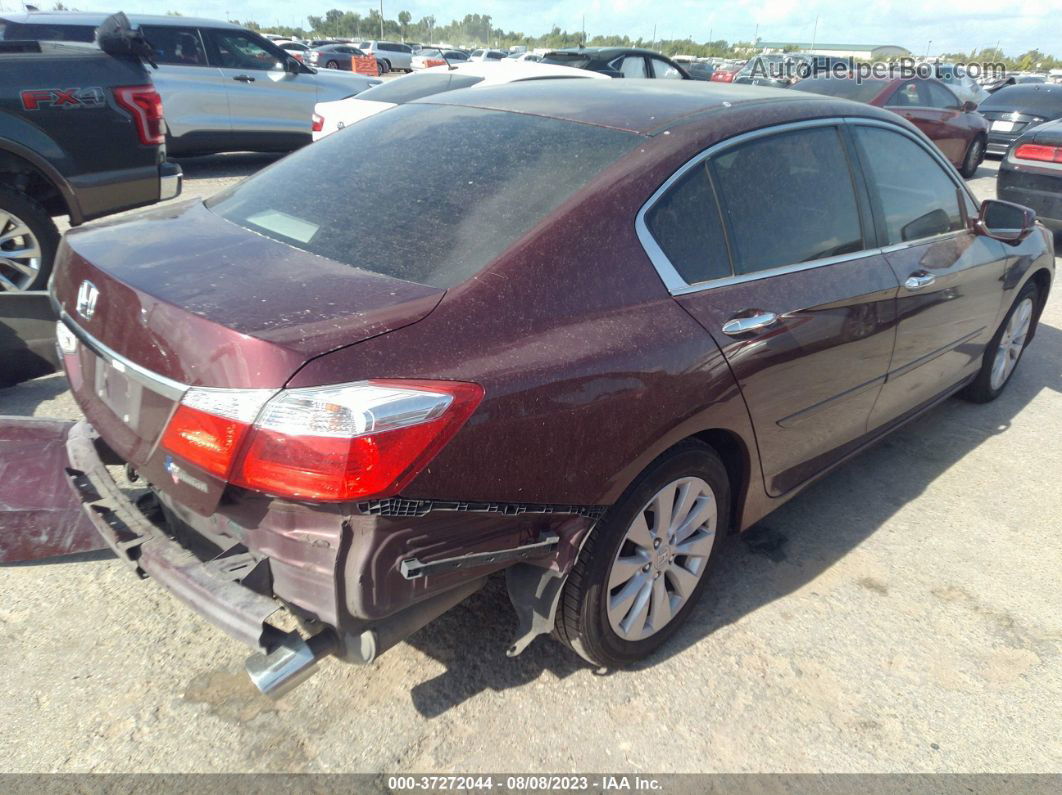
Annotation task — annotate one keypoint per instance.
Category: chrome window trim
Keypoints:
(674, 282)
(164, 386)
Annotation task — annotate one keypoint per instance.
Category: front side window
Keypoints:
(633, 66)
(941, 97)
(662, 69)
(911, 94)
(686, 225)
(512, 170)
(915, 196)
(176, 46)
(788, 198)
(237, 49)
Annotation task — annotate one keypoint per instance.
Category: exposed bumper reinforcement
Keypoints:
(205, 587)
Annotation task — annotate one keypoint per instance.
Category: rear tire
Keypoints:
(332, 65)
(975, 155)
(1005, 349)
(28, 240)
(641, 572)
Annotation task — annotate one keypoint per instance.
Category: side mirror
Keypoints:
(1005, 221)
(969, 106)
(292, 67)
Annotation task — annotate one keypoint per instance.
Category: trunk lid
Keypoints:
(180, 297)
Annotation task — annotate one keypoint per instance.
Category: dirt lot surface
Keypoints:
(904, 614)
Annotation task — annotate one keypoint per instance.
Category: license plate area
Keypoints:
(1003, 126)
(118, 392)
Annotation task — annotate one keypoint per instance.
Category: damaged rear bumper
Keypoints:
(210, 588)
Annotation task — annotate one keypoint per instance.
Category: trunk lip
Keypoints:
(167, 387)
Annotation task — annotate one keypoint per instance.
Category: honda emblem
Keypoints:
(87, 295)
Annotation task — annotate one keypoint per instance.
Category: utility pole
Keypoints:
(654, 38)
(928, 45)
(814, 32)
(584, 29)
(381, 19)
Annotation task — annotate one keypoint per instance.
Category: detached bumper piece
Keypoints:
(211, 588)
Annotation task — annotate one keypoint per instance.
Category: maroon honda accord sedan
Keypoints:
(575, 355)
(953, 125)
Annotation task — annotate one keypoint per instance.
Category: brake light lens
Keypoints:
(145, 105)
(1039, 152)
(318, 123)
(210, 424)
(333, 443)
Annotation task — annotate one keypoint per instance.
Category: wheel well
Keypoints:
(1042, 280)
(18, 173)
(731, 448)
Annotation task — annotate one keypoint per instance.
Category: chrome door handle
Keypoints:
(743, 325)
(918, 280)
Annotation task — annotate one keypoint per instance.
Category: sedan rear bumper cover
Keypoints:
(208, 588)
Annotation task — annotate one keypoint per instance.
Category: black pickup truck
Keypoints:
(81, 134)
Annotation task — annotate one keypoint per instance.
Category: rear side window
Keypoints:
(941, 97)
(567, 59)
(915, 196)
(407, 89)
(484, 179)
(788, 198)
(177, 46)
(686, 225)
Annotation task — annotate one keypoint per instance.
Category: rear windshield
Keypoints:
(407, 89)
(1039, 99)
(16, 31)
(474, 181)
(567, 59)
(844, 88)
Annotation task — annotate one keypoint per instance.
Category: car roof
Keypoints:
(513, 71)
(606, 52)
(96, 18)
(645, 107)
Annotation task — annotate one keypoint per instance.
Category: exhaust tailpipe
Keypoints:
(290, 664)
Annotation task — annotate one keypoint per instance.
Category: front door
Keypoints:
(951, 279)
(772, 243)
(265, 100)
(916, 101)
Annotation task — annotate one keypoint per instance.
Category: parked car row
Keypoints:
(224, 88)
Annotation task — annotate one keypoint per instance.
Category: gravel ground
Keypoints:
(903, 614)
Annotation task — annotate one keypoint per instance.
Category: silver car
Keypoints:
(224, 88)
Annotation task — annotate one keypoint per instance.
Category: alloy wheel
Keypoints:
(1012, 343)
(20, 254)
(661, 559)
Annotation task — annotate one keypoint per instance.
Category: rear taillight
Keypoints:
(1039, 152)
(317, 122)
(145, 104)
(326, 443)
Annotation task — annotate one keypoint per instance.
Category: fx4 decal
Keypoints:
(66, 99)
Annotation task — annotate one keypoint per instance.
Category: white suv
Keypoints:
(393, 55)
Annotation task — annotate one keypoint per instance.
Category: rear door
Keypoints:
(951, 279)
(194, 93)
(767, 243)
(264, 98)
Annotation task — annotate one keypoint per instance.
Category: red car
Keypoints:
(583, 368)
(953, 125)
(726, 74)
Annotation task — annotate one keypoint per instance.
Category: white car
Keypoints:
(331, 116)
(482, 56)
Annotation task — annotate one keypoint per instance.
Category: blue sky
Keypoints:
(949, 24)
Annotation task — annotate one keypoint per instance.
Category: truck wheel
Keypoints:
(644, 566)
(28, 240)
